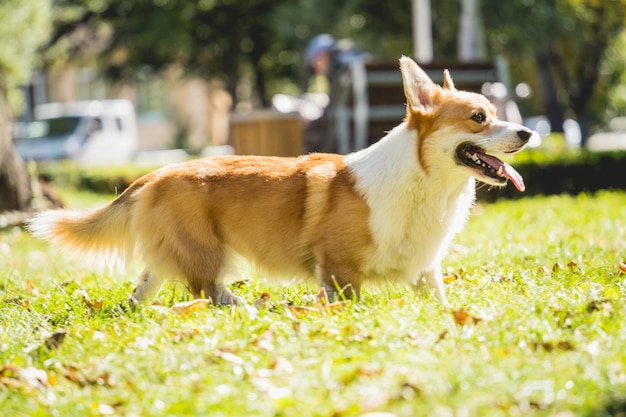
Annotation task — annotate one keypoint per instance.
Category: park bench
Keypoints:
(367, 103)
(373, 102)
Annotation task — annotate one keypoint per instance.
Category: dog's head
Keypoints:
(457, 130)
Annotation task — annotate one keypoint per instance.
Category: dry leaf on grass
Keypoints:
(295, 312)
(55, 339)
(302, 311)
(263, 298)
(337, 305)
(574, 267)
(229, 356)
(463, 317)
(265, 341)
(564, 345)
(321, 304)
(398, 302)
(30, 288)
(27, 378)
(91, 305)
(450, 278)
(322, 297)
(187, 307)
(603, 306)
(73, 374)
(180, 335)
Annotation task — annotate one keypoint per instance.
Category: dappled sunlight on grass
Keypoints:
(536, 328)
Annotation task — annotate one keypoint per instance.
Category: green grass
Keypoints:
(537, 281)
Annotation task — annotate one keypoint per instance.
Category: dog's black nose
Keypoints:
(524, 134)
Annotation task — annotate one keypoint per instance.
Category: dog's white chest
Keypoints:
(412, 219)
(414, 236)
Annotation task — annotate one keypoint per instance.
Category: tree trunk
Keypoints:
(555, 111)
(15, 188)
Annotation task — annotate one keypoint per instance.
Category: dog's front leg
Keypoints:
(148, 286)
(340, 282)
(218, 292)
(434, 278)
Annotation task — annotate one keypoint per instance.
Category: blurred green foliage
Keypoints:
(24, 25)
(569, 51)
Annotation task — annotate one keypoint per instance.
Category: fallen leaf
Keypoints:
(450, 278)
(544, 270)
(30, 288)
(55, 340)
(180, 335)
(604, 306)
(297, 311)
(28, 378)
(463, 317)
(322, 297)
(265, 341)
(337, 305)
(91, 305)
(187, 307)
(400, 302)
(229, 356)
(442, 335)
(573, 266)
(260, 302)
(73, 374)
(18, 301)
(564, 345)
(370, 370)
(300, 311)
(281, 364)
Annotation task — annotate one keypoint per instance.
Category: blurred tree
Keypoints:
(560, 43)
(208, 38)
(258, 40)
(24, 25)
(386, 28)
(609, 100)
(566, 39)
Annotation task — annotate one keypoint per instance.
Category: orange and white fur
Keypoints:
(387, 212)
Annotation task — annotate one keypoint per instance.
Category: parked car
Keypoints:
(89, 132)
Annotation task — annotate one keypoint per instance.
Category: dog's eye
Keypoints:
(479, 117)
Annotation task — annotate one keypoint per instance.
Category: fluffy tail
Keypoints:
(102, 234)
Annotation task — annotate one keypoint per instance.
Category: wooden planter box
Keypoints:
(266, 132)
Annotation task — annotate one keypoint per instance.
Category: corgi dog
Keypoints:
(387, 212)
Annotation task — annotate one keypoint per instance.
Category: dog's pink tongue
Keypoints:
(507, 170)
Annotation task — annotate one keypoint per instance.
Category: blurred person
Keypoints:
(330, 68)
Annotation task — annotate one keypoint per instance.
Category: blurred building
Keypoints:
(172, 111)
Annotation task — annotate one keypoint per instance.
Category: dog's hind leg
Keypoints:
(148, 286)
(218, 292)
(434, 278)
(204, 274)
(340, 282)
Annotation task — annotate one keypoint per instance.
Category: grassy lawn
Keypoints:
(537, 328)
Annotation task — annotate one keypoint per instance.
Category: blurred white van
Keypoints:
(89, 132)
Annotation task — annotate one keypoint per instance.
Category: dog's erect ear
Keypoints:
(419, 89)
(448, 84)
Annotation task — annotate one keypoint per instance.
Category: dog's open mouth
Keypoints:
(488, 165)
